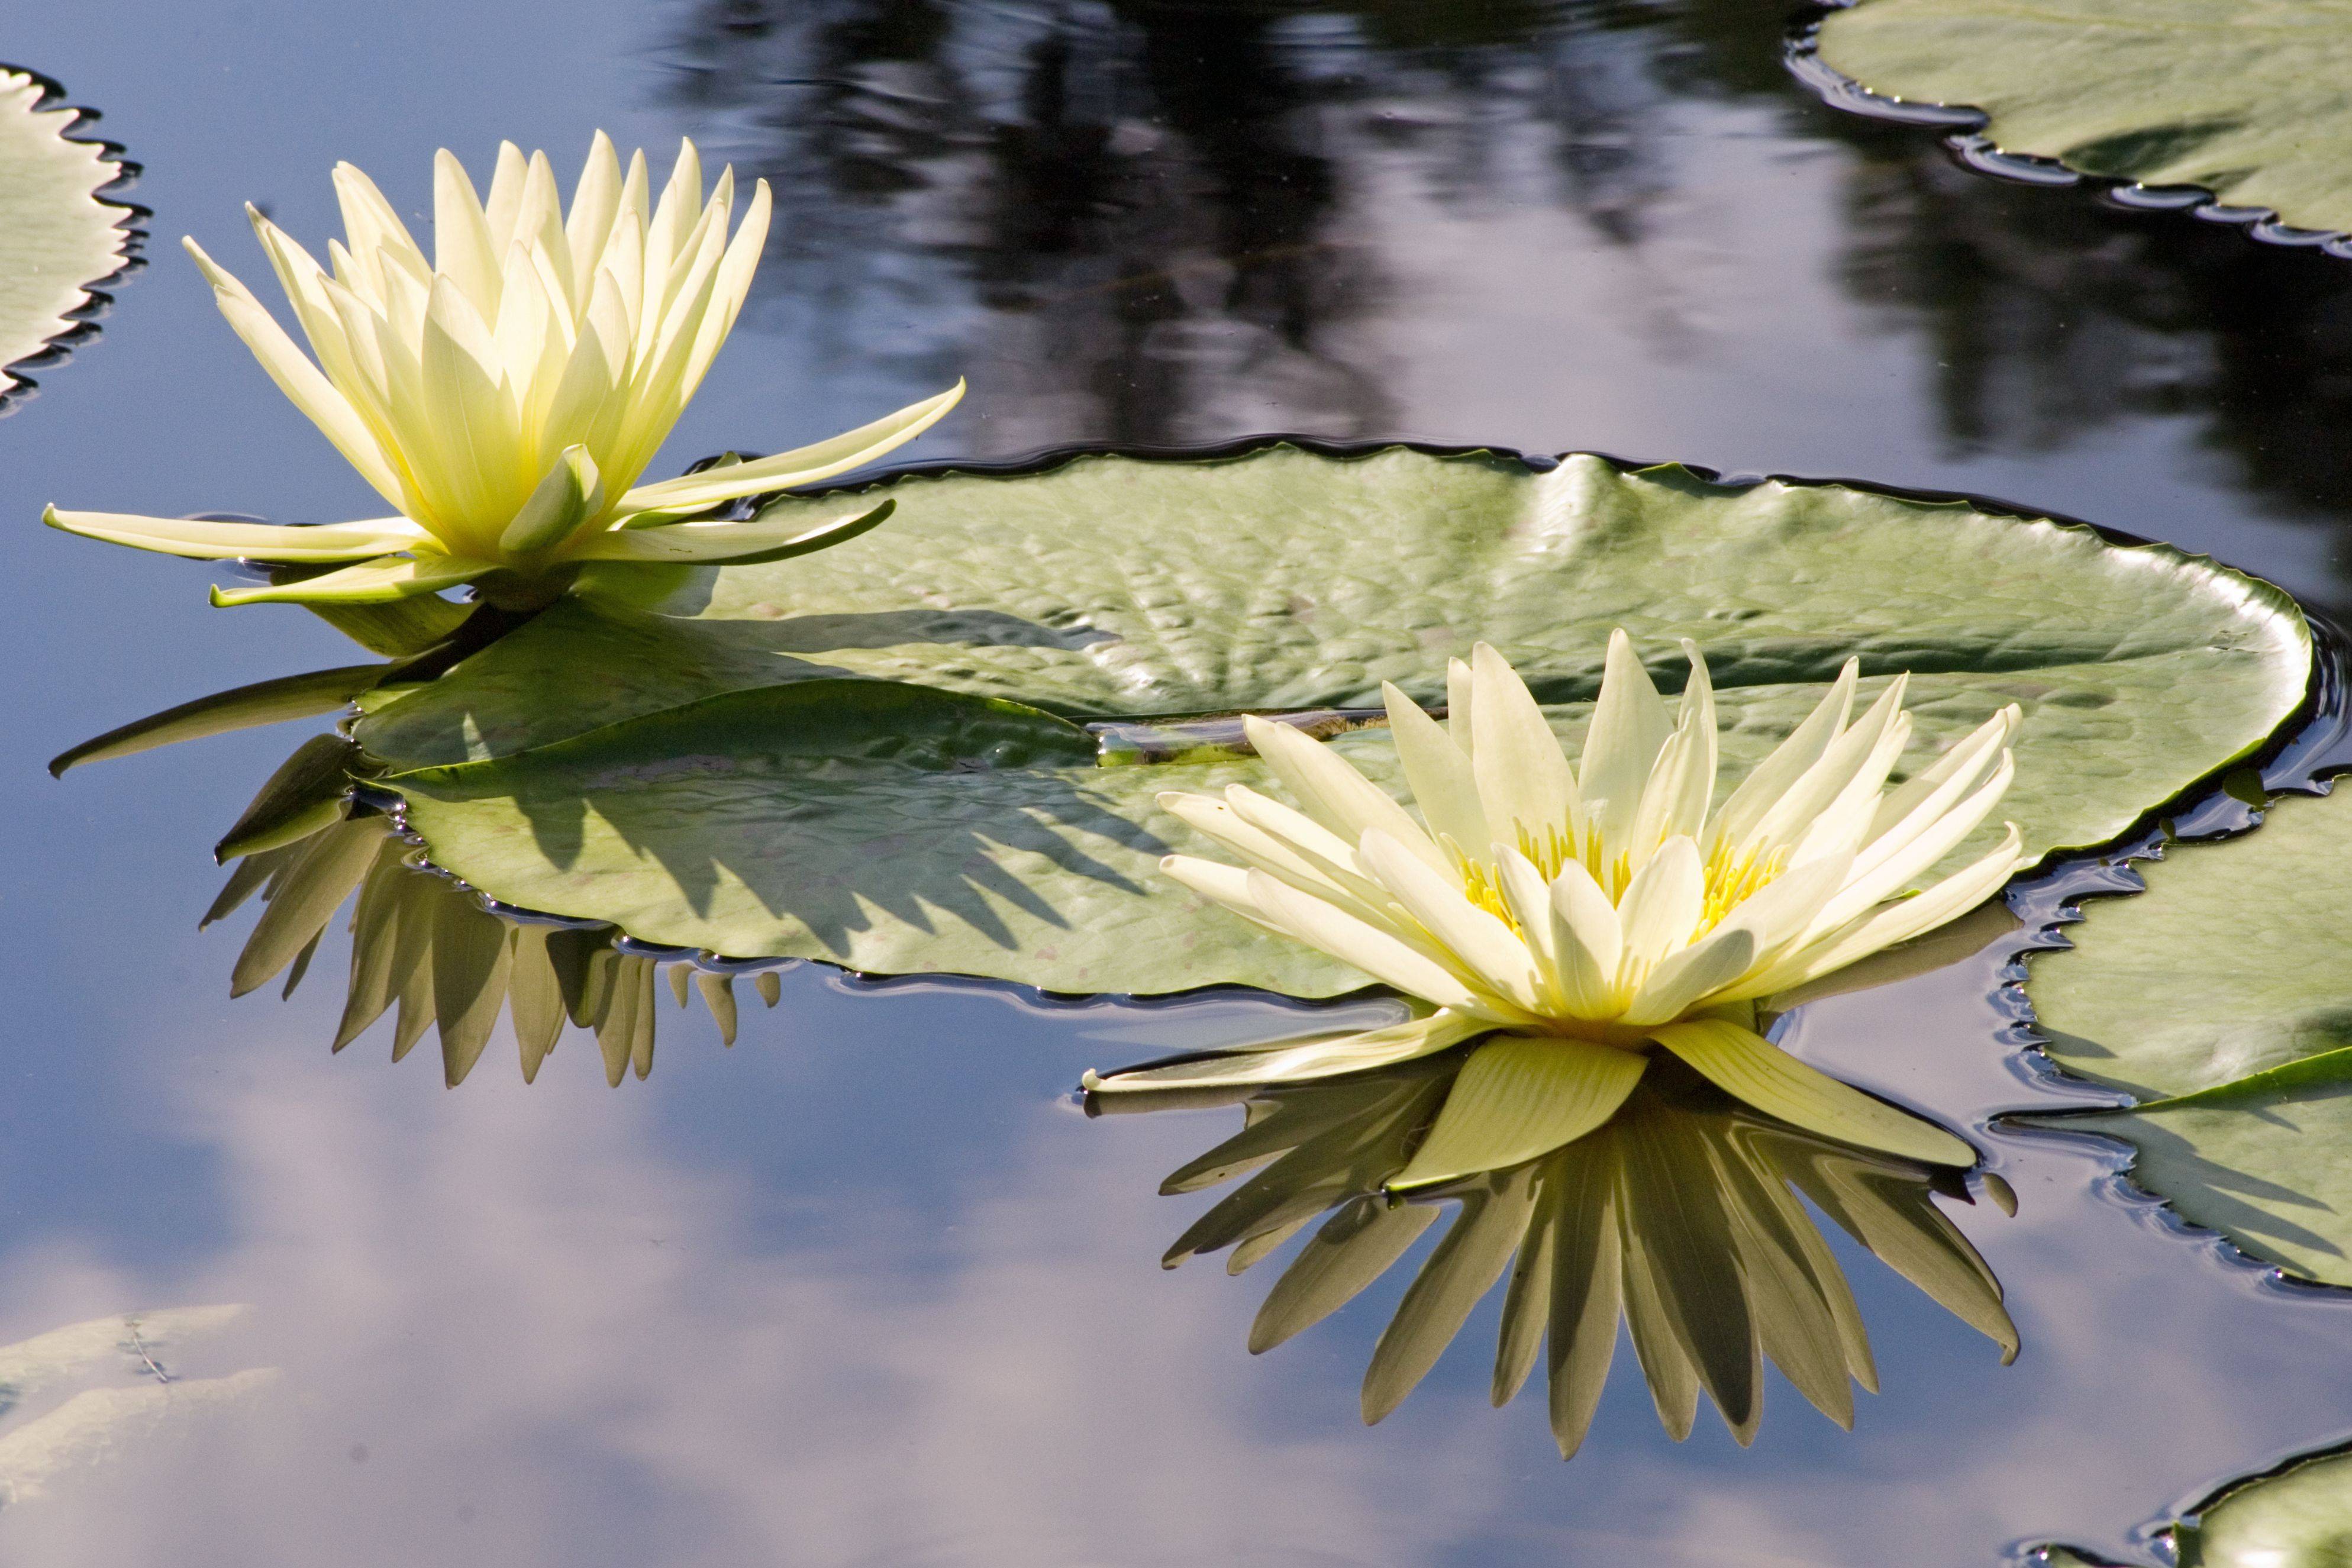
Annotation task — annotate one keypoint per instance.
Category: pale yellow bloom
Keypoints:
(505, 396)
(1582, 915)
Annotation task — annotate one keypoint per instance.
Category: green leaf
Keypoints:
(2221, 998)
(2252, 102)
(668, 762)
(2298, 1516)
(56, 236)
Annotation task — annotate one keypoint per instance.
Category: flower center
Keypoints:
(1731, 878)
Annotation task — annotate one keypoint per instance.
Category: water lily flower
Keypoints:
(1577, 919)
(505, 396)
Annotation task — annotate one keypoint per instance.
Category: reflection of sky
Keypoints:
(864, 1291)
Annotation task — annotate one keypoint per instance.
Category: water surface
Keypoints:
(867, 1289)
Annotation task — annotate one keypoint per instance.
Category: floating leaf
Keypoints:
(56, 238)
(2297, 1516)
(698, 771)
(2222, 998)
(2246, 101)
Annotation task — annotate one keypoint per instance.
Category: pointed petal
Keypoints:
(1749, 1067)
(710, 543)
(462, 251)
(1525, 785)
(1893, 874)
(803, 465)
(1681, 982)
(1298, 1064)
(1333, 794)
(1661, 907)
(1520, 1097)
(1790, 761)
(1588, 941)
(1437, 772)
(240, 540)
(303, 382)
(1351, 941)
(568, 495)
(369, 583)
(1629, 727)
(1487, 948)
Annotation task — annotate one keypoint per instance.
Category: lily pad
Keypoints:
(56, 238)
(2251, 100)
(2222, 998)
(2297, 1516)
(726, 763)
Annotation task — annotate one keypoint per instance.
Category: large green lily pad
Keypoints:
(56, 238)
(2251, 100)
(2223, 996)
(721, 763)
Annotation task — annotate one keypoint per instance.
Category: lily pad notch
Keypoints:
(2243, 122)
(63, 231)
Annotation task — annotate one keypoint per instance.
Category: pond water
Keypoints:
(867, 1288)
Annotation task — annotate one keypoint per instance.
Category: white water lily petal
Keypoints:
(1682, 981)
(1304, 1062)
(1217, 883)
(379, 582)
(802, 466)
(1335, 793)
(1749, 1067)
(1377, 954)
(1527, 789)
(304, 384)
(1486, 947)
(1328, 862)
(1589, 938)
(1890, 923)
(1437, 772)
(1528, 897)
(1680, 784)
(1893, 874)
(1914, 805)
(1629, 728)
(1661, 906)
(1842, 762)
(455, 384)
(710, 543)
(1788, 761)
(1457, 703)
(240, 540)
(1518, 1097)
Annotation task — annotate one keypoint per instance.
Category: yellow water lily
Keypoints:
(1579, 917)
(505, 396)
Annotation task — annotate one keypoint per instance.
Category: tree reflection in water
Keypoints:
(1157, 221)
(1685, 1215)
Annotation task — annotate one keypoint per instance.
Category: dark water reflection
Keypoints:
(867, 1289)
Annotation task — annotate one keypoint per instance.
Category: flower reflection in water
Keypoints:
(1685, 1215)
(426, 949)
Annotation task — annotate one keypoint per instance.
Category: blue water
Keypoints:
(867, 1289)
